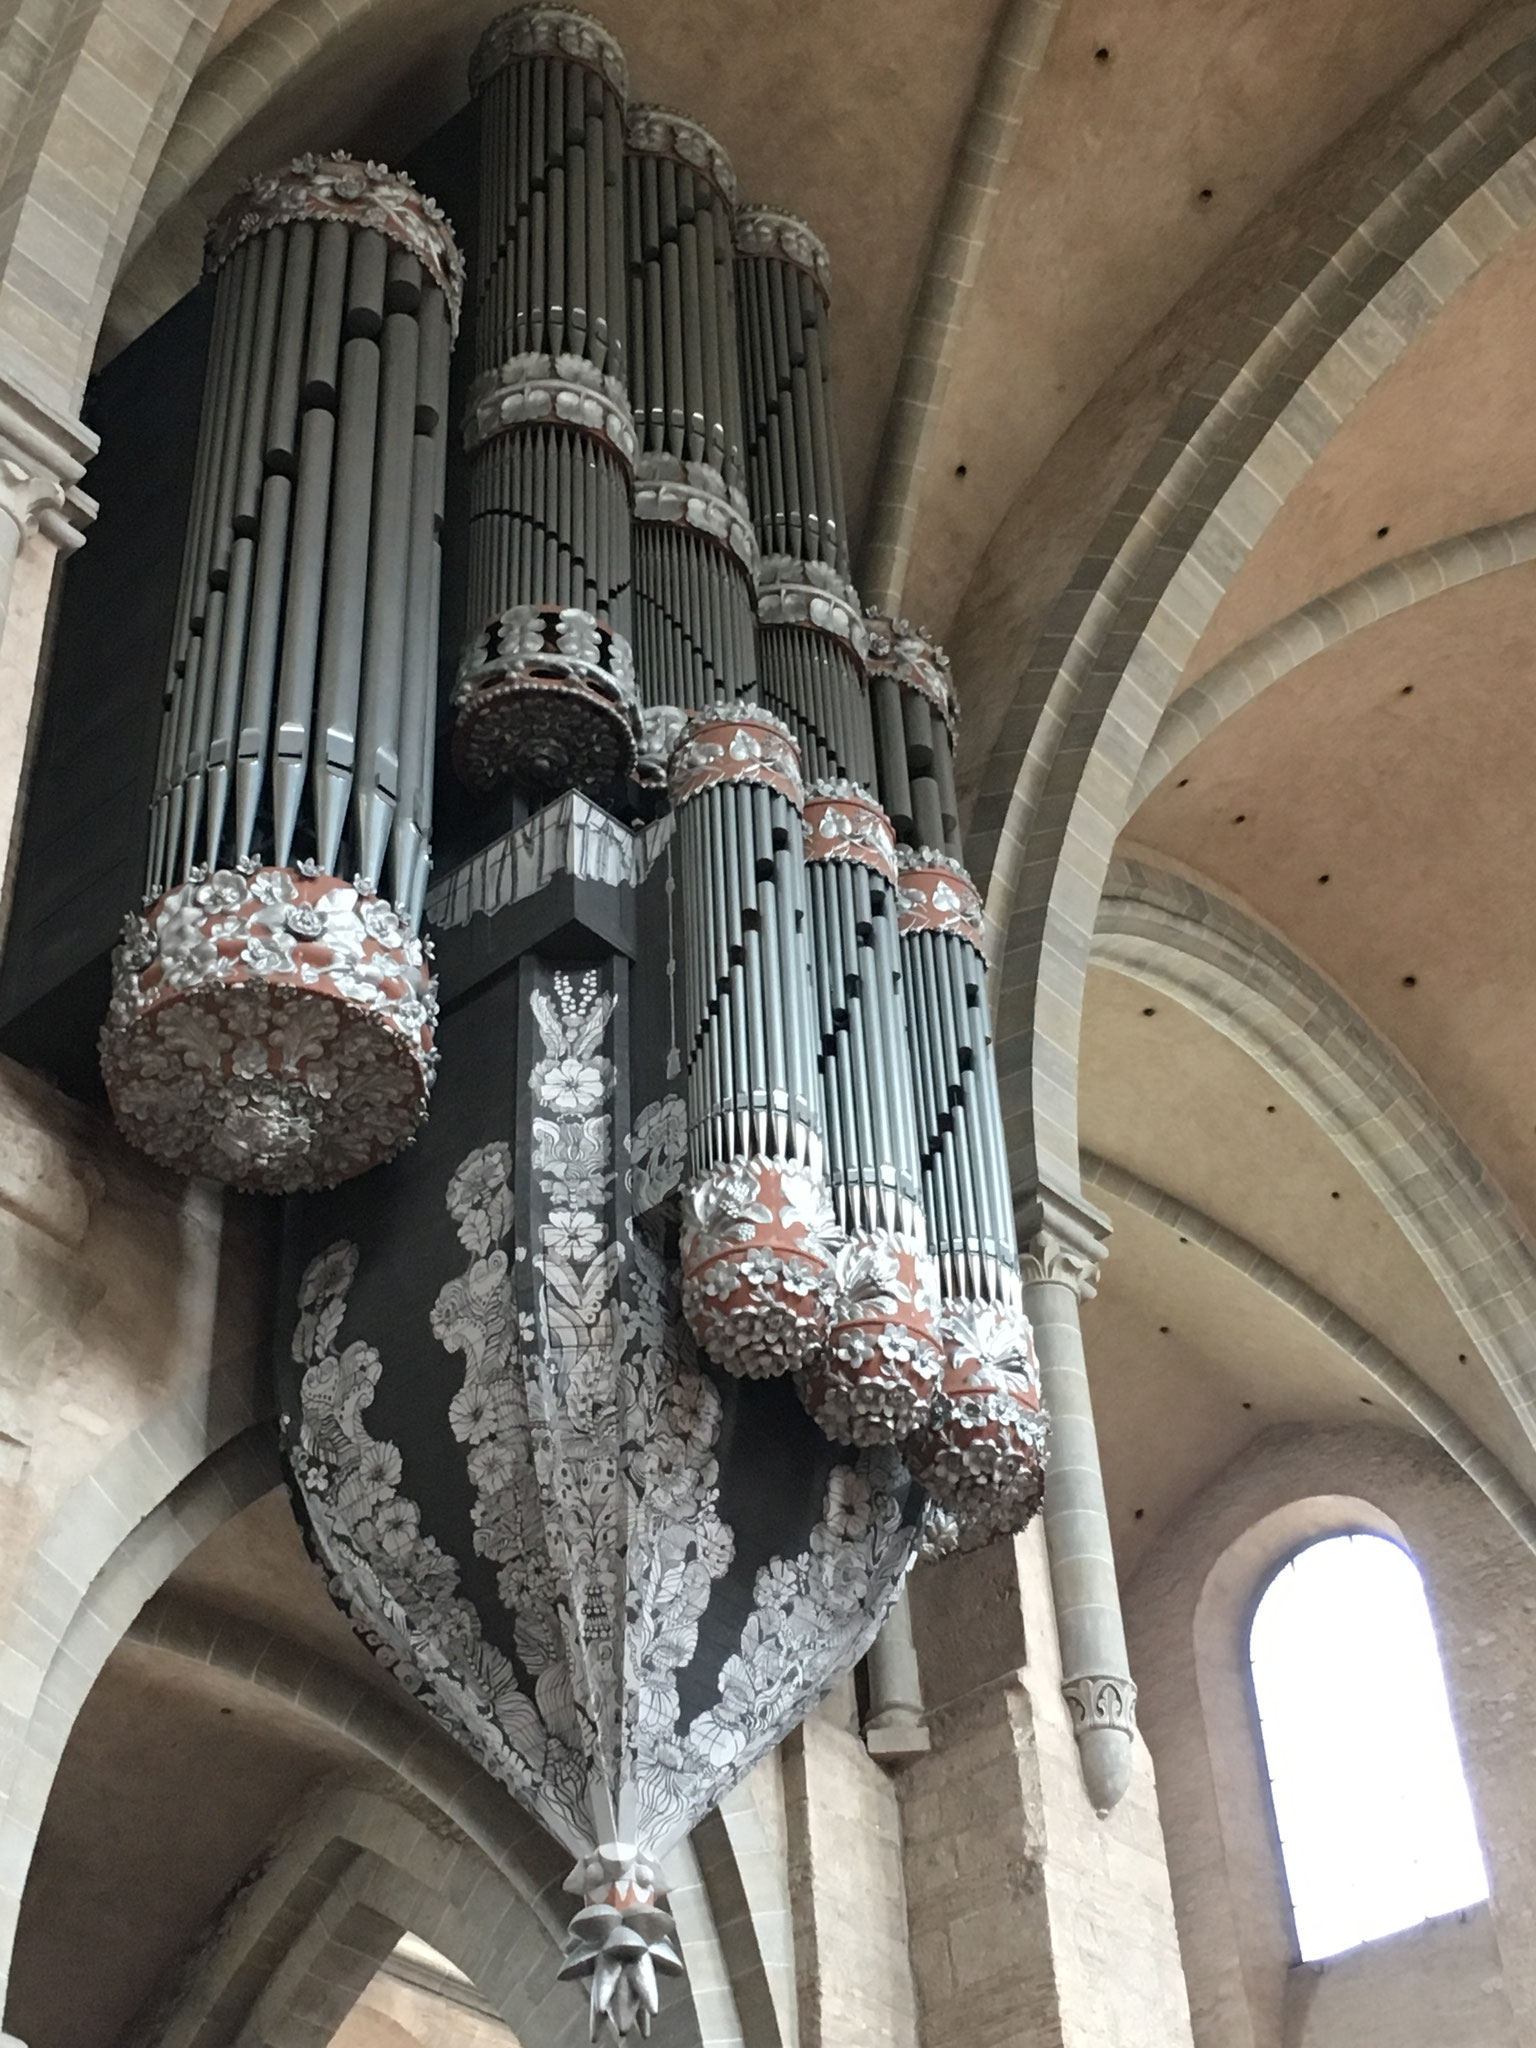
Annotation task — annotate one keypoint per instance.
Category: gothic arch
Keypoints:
(1390, 1373)
(1234, 681)
(1166, 931)
(477, 1878)
(88, 120)
(82, 1592)
(1086, 709)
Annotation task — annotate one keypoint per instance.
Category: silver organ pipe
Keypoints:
(875, 1377)
(811, 639)
(696, 553)
(758, 1228)
(912, 700)
(981, 1450)
(546, 693)
(271, 1022)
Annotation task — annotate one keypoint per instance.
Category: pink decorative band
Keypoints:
(270, 1027)
(742, 744)
(843, 822)
(937, 895)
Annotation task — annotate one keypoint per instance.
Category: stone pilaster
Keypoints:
(1032, 1918)
(894, 1727)
(1061, 1246)
(43, 514)
(847, 1894)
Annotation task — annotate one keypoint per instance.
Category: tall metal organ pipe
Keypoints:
(981, 1451)
(912, 701)
(811, 639)
(546, 693)
(696, 554)
(758, 1227)
(271, 1023)
(876, 1376)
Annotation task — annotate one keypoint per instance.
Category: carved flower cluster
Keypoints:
(358, 194)
(916, 661)
(657, 131)
(795, 593)
(764, 231)
(563, 390)
(771, 1287)
(981, 1454)
(546, 695)
(271, 1027)
(695, 494)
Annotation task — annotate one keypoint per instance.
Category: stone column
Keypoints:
(42, 515)
(1060, 1252)
(894, 1726)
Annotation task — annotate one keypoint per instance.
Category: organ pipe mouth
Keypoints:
(356, 193)
(543, 31)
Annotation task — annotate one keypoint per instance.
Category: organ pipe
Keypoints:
(812, 639)
(757, 1223)
(876, 1375)
(912, 701)
(271, 1023)
(980, 1452)
(546, 694)
(696, 552)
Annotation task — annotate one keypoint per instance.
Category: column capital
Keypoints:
(1061, 1238)
(43, 454)
(1101, 1700)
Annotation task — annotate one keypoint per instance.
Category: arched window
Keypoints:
(1375, 1823)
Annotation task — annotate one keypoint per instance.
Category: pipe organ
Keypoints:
(713, 1205)
(272, 1022)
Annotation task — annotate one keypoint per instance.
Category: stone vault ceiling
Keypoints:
(1171, 166)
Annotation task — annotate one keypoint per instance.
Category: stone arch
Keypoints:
(1171, 934)
(1275, 652)
(98, 85)
(1187, 1611)
(76, 1604)
(1115, 645)
(1436, 1417)
(357, 1865)
(452, 1839)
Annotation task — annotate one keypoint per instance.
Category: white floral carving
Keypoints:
(813, 1616)
(589, 1433)
(658, 1145)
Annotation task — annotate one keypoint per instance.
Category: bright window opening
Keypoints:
(1375, 1823)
